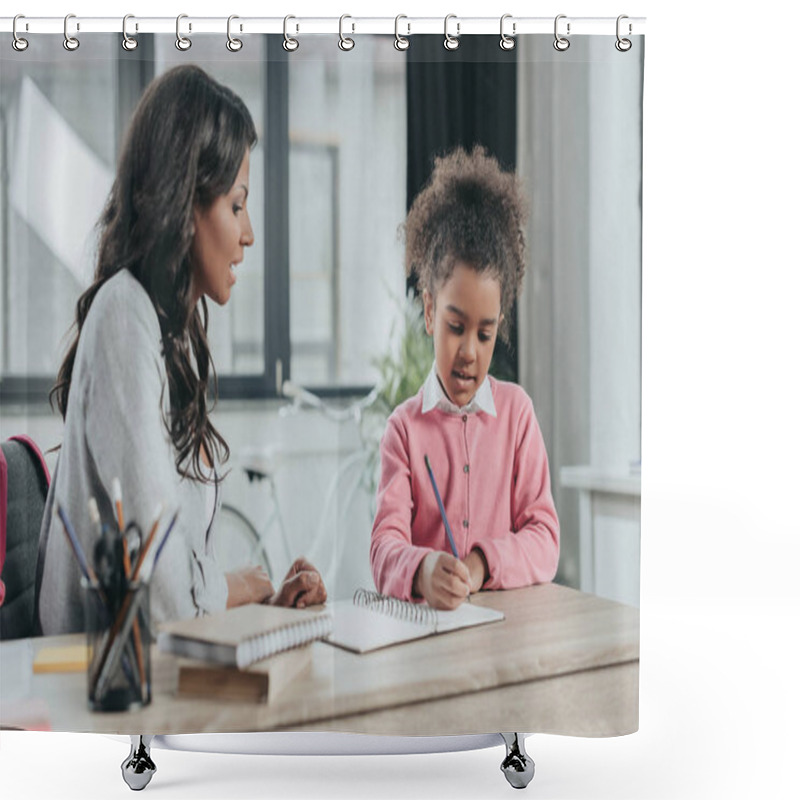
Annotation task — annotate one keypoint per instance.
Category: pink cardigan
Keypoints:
(493, 477)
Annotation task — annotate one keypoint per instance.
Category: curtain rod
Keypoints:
(299, 25)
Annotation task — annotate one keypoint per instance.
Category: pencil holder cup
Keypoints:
(118, 636)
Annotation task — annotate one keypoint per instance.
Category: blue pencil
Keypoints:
(441, 508)
(86, 570)
(164, 539)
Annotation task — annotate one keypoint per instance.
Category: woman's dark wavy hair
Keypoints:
(182, 150)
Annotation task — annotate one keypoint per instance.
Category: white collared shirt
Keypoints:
(434, 396)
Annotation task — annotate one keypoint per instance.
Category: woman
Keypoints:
(132, 388)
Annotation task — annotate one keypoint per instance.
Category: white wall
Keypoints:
(615, 257)
(579, 155)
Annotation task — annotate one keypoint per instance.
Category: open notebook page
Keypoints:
(360, 629)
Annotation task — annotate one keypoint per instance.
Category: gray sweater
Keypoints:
(114, 429)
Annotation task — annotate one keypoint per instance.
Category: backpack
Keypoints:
(24, 482)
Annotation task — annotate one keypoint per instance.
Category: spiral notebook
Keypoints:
(244, 635)
(371, 621)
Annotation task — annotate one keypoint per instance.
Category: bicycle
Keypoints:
(245, 543)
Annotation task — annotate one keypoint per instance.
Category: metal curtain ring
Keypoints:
(128, 43)
(289, 44)
(233, 44)
(18, 43)
(345, 42)
(451, 42)
(623, 45)
(70, 42)
(561, 43)
(507, 42)
(401, 42)
(182, 42)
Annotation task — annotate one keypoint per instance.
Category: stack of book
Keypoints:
(250, 653)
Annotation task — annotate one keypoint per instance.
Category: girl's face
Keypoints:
(463, 317)
(221, 232)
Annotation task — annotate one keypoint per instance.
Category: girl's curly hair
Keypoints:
(472, 212)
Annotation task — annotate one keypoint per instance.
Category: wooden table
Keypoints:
(561, 662)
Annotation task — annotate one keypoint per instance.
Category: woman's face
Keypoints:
(221, 232)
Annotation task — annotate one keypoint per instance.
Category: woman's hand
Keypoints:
(301, 587)
(442, 580)
(248, 585)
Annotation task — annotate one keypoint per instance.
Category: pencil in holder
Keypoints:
(118, 675)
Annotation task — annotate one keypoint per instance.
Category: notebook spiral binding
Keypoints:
(287, 638)
(398, 609)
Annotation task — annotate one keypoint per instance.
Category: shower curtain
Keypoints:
(323, 338)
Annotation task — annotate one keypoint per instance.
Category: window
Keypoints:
(316, 294)
(238, 335)
(58, 133)
(347, 197)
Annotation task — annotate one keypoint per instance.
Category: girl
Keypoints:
(132, 388)
(465, 242)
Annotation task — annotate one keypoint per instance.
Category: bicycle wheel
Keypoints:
(341, 545)
(237, 542)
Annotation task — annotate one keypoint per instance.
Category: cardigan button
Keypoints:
(466, 467)
(466, 523)
(464, 418)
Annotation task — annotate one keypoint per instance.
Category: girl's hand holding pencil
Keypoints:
(478, 569)
(442, 580)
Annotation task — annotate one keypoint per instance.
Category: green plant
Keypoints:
(406, 363)
(402, 370)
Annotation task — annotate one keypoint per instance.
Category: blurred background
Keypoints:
(345, 142)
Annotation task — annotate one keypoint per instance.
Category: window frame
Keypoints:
(276, 232)
(33, 390)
